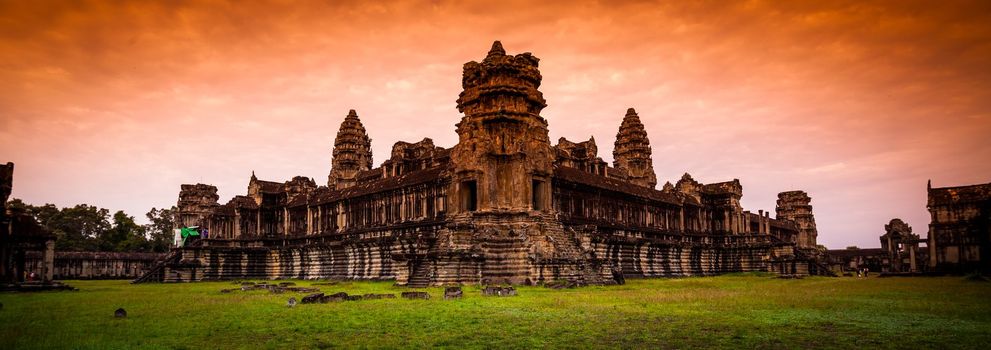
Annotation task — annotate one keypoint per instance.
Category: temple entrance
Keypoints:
(469, 195)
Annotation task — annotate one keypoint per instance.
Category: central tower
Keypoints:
(503, 160)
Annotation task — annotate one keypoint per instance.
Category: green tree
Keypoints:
(78, 228)
(160, 229)
(125, 235)
(89, 228)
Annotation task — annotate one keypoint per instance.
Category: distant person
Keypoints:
(32, 277)
(866, 271)
(858, 273)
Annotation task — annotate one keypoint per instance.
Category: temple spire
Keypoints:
(496, 49)
(632, 151)
(352, 153)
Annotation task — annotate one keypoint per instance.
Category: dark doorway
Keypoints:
(469, 195)
(537, 202)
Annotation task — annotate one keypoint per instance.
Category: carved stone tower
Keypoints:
(352, 153)
(195, 203)
(632, 151)
(794, 205)
(900, 243)
(503, 160)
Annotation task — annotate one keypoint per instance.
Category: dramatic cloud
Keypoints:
(857, 103)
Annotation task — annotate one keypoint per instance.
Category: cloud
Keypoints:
(858, 103)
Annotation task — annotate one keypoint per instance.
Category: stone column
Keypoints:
(911, 257)
(48, 261)
(760, 221)
(309, 220)
(725, 220)
(237, 224)
(285, 222)
(319, 225)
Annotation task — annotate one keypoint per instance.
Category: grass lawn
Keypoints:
(739, 311)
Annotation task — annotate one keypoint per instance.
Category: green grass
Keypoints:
(739, 311)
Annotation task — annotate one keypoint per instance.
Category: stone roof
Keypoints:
(386, 184)
(849, 253)
(243, 202)
(960, 194)
(269, 186)
(26, 228)
(726, 187)
(101, 255)
(602, 182)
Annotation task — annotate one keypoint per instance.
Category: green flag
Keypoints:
(187, 232)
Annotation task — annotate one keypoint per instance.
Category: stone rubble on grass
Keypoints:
(416, 295)
(292, 302)
(339, 296)
(120, 313)
(499, 291)
(342, 296)
(452, 293)
(274, 289)
(560, 284)
(312, 298)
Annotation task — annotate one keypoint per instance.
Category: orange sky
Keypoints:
(858, 104)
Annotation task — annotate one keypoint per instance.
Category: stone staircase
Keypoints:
(566, 244)
(157, 272)
(421, 276)
(505, 260)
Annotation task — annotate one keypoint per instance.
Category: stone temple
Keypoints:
(503, 205)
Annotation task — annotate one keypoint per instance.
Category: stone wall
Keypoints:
(960, 230)
(96, 265)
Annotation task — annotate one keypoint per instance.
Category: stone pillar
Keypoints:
(911, 257)
(285, 222)
(931, 244)
(237, 224)
(309, 221)
(760, 221)
(319, 225)
(746, 222)
(48, 261)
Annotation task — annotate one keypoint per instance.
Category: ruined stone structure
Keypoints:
(851, 259)
(20, 235)
(501, 206)
(900, 253)
(960, 230)
(95, 265)
(794, 206)
(901, 248)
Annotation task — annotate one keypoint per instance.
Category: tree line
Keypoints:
(89, 228)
